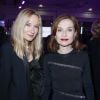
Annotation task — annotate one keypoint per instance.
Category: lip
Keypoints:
(31, 35)
(64, 39)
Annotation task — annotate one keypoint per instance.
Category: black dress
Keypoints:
(67, 77)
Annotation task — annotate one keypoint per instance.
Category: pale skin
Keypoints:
(30, 32)
(65, 35)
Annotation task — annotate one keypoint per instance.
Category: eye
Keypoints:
(59, 30)
(70, 29)
(36, 26)
(28, 24)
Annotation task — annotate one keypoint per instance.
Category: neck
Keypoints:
(65, 50)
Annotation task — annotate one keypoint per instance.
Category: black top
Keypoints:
(35, 73)
(19, 80)
(67, 77)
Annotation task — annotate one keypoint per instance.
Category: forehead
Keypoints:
(34, 19)
(66, 23)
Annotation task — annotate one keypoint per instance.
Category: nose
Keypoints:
(64, 32)
(32, 29)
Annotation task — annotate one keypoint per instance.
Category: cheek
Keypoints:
(25, 30)
(72, 37)
(35, 34)
(36, 30)
(57, 38)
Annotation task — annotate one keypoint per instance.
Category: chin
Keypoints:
(29, 40)
(64, 45)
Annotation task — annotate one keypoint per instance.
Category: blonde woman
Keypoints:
(20, 72)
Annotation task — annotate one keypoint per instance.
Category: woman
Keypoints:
(94, 54)
(66, 69)
(20, 72)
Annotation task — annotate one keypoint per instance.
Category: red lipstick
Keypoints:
(64, 39)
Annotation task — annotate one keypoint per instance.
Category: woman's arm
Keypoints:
(5, 72)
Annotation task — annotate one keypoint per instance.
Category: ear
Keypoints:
(75, 34)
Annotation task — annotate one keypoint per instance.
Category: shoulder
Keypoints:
(82, 54)
(6, 45)
(6, 55)
(49, 56)
(80, 58)
(46, 57)
(84, 57)
(6, 49)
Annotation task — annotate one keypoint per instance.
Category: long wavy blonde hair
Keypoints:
(18, 38)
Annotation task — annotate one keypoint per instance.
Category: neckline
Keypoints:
(66, 53)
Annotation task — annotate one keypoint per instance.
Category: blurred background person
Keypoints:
(3, 36)
(94, 53)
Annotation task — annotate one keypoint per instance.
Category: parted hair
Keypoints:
(52, 44)
(17, 34)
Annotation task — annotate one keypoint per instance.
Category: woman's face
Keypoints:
(65, 33)
(31, 28)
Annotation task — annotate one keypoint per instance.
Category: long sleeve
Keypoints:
(13, 85)
(87, 80)
(47, 81)
(5, 73)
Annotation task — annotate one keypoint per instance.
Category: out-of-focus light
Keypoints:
(2, 23)
(23, 2)
(40, 5)
(90, 9)
(20, 7)
(88, 14)
(81, 29)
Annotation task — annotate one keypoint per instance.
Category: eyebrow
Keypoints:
(67, 27)
(31, 23)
